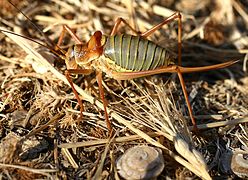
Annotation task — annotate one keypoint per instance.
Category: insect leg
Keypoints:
(174, 16)
(167, 69)
(172, 69)
(70, 31)
(101, 90)
(99, 81)
(117, 24)
(180, 76)
(147, 33)
(68, 77)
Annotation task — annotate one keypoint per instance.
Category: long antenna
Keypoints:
(37, 42)
(33, 24)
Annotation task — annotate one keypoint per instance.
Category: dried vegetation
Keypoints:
(40, 135)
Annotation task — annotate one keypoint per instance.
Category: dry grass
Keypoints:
(39, 132)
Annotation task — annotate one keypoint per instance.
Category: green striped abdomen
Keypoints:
(135, 53)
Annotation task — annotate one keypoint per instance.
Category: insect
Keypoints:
(127, 57)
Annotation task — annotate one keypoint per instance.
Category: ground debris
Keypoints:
(41, 135)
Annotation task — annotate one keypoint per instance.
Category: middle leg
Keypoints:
(101, 90)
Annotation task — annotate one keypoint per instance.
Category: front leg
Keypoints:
(68, 77)
(99, 81)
